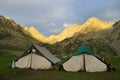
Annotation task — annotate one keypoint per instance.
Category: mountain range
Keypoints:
(68, 32)
(103, 38)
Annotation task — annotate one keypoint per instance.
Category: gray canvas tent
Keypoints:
(85, 60)
(37, 57)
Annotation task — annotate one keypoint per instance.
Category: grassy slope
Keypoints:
(7, 73)
(8, 47)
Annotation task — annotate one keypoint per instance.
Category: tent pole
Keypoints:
(31, 61)
(84, 62)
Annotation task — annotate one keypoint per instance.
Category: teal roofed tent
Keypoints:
(85, 60)
(83, 49)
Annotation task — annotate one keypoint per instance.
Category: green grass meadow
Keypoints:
(7, 73)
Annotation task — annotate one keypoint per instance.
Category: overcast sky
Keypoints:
(52, 16)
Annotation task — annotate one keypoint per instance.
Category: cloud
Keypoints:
(55, 31)
(68, 25)
(48, 15)
(53, 24)
(65, 25)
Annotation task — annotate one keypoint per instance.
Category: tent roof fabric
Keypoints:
(47, 54)
(42, 51)
(83, 49)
